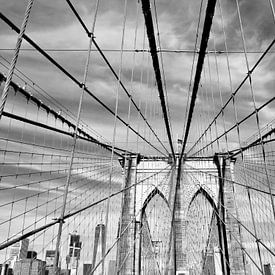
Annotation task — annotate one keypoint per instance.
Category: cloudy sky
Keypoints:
(54, 28)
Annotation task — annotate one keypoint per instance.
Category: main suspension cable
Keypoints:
(153, 50)
(210, 9)
(113, 71)
(76, 81)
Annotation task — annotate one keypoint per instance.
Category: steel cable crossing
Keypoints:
(91, 35)
(15, 56)
(153, 49)
(210, 9)
(192, 68)
(71, 214)
(232, 98)
(76, 81)
(218, 216)
(162, 64)
(73, 152)
(82, 134)
(234, 92)
(44, 94)
(227, 210)
(107, 213)
(132, 219)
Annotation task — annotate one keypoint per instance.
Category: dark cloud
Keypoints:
(257, 21)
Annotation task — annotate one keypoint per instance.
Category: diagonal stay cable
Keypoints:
(229, 213)
(113, 71)
(126, 227)
(42, 92)
(234, 153)
(236, 91)
(153, 49)
(218, 216)
(48, 109)
(69, 75)
(56, 130)
(210, 9)
(71, 214)
(236, 124)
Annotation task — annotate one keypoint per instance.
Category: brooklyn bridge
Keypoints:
(137, 137)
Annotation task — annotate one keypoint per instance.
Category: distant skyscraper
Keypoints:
(5, 270)
(31, 254)
(74, 245)
(49, 257)
(99, 230)
(267, 269)
(87, 269)
(18, 251)
(74, 251)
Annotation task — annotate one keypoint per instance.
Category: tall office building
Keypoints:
(18, 251)
(87, 269)
(74, 245)
(49, 258)
(74, 252)
(31, 254)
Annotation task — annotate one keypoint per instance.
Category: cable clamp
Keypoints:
(59, 220)
(82, 85)
(91, 35)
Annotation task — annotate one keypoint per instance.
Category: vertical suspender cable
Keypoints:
(153, 49)
(115, 126)
(146, 100)
(118, 261)
(55, 63)
(63, 208)
(141, 82)
(132, 78)
(208, 112)
(115, 74)
(220, 93)
(234, 106)
(162, 66)
(214, 104)
(15, 56)
(192, 69)
(210, 9)
(256, 110)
